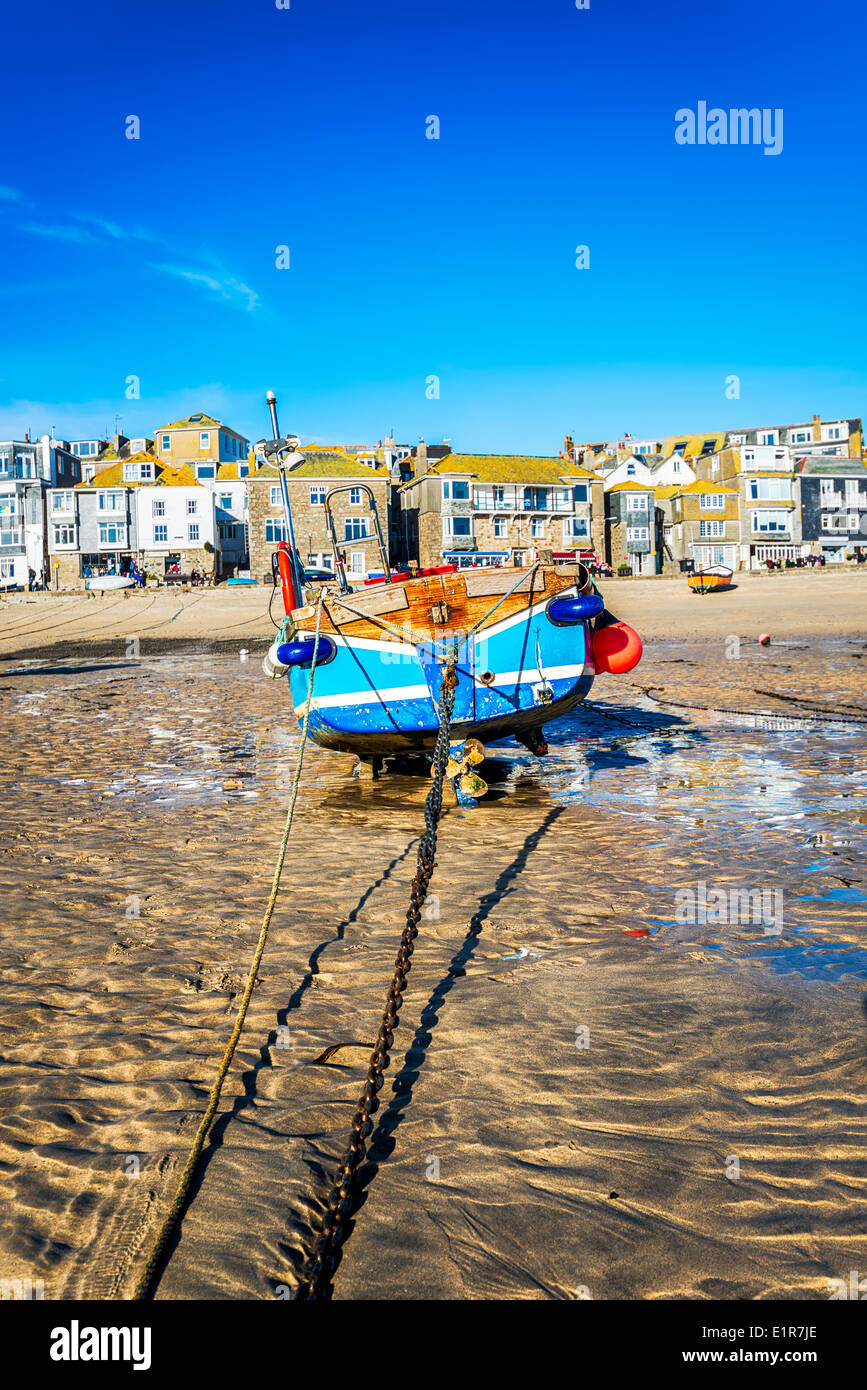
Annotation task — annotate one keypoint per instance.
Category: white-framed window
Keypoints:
(146, 472)
(88, 472)
(158, 507)
(801, 437)
(828, 488)
(355, 528)
(204, 439)
(853, 490)
(62, 502)
(275, 529)
(10, 534)
(770, 490)
(576, 528)
(636, 502)
(712, 528)
(8, 504)
(161, 533)
(580, 493)
(767, 521)
(357, 562)
(205, 470)
(317, 494)
(712, 501)
(166, 443)
(274, 494)
(537, 528)
(110, 502)
(457, 526)
(112, 533)
(454, 489)
(832, 432)
(637, 533)
(7, 568)
(64, 535)
(840, 521)
(355, 497)
(130, 472)
(193, 530)
(192, 506)
(768, 437)
(501, 526)
(483, 499)
(226, 501)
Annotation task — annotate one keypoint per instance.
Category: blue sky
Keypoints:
(412, 257)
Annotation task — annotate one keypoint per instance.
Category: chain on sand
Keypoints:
(340, 1202)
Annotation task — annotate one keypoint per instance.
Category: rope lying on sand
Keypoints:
(753, 713)
(176, 1210)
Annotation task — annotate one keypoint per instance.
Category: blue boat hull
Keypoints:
(380, 697)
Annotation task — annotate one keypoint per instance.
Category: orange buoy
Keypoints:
(616, 648)
(764, 639)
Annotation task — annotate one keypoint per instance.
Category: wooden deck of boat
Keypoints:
(431, 606)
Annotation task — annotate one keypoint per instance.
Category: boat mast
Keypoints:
(284, 492)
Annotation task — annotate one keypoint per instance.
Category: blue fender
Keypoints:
(299, 652)
(577, 608)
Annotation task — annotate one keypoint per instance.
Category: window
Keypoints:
(770, 489)
(356, 562)
(676, 465)
(580, 492)
(166, 443)
(708, 446)
(840, 521)
(228, 531)
(62, 502)
(192, 506)
(193, 530)
(355, 497)
(110, 502)
(205, 439)
(712, 528)
(64, 535)
(457, 526)
(158, 508)
(637, 533)
(712, 501)
(355, 528)
(88, 472)
(243, 470)
(274, 495)
(501, 526)
(768, 437)
(535, 499)
(205, 470)
(537, 527)
(112, 533)
(575, 528)
(832, 432)
(630, 470)
(768, 522)
(483, 499)
(8, 504)
(161, 533)
(7, 569)
(275, 529)
(457, 491)
(146, 472)
(129, 473)
(680, 448)
(500, 498)
(853, 491)
(9, 533)
(828, 488)
(317, 495)
(801, 437)
(636, 503)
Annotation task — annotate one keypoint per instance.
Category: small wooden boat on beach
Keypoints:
(109, 581)
(706, 580)
(526, 644)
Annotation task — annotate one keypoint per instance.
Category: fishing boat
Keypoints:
(706, 580)
(526, 645)
(105, 582)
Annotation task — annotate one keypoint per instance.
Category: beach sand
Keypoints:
(707, 1143)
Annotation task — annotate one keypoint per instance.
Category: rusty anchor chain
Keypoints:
(323, 1260)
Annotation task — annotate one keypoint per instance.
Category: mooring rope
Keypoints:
(178, 1205)
(323, 1260)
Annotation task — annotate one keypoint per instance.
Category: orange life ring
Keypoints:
(616, 648)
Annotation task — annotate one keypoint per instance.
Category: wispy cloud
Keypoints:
(225, 287)
(60, 232)
(118, 233)
(12, 195)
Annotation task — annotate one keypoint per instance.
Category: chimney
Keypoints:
(817, 428)
(421, 457)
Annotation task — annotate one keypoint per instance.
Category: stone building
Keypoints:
(630, 527)
(492, 509)
(706, 525)
(308, 484)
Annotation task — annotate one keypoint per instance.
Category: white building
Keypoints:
(177, 525)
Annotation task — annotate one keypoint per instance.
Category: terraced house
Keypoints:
(490, 509)
(29, 469)
(705, 525)
(92, 527)
(762, 474)
(832, 506)
(359, 476)
(630, 526)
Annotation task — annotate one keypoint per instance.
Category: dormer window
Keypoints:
(129, 472)
(146, 472)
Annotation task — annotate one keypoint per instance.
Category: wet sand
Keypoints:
(709, 1141)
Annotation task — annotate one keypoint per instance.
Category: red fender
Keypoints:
(291, 597)
(616, 648)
